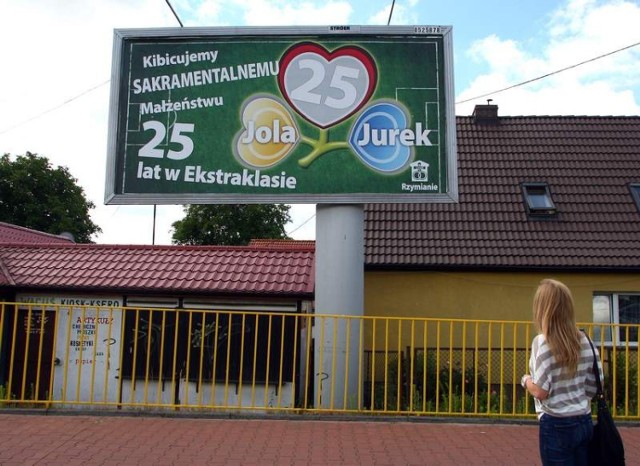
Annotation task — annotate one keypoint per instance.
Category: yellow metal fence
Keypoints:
(56, 356)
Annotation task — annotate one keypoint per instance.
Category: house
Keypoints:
(164, 322)
(540, 196)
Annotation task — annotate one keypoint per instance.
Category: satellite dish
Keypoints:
(67, 235)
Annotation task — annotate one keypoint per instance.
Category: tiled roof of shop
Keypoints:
(4, 275)
(188, 269)
(14, 234)
(588, 164)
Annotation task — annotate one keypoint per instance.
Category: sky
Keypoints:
(55, 69)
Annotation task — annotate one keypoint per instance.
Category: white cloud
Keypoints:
(63, 49)
(501, 55)
(57, 51)
(53, 51)
(579, 31)
(402, 14)
(278, 13)
(209, 10)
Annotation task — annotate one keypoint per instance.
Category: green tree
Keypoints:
(35, 195)
(230, 224)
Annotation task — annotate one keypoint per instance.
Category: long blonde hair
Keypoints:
(554, 315)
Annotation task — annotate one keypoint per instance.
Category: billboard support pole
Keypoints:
(339, 291)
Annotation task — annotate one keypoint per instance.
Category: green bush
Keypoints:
(626, 385)
(443, 389)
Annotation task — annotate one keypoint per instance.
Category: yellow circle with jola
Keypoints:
(269, 135)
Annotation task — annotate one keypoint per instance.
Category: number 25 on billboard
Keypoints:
(151, 149)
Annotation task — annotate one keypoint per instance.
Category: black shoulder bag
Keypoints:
(606, 447)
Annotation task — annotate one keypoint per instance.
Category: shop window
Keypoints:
(225, 347)
(617, 308)
(151, 345)
(247, 348)
(150, 342)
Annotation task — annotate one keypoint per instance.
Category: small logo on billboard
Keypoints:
(419, 171)
(419, 179)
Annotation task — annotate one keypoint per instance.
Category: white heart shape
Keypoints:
(325, 90)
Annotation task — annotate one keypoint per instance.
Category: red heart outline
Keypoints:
(348, 50)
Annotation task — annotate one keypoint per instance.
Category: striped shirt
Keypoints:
(568, 395)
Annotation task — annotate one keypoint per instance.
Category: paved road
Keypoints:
(120, 440)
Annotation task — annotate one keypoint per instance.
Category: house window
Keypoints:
(617, 308)
(635, 192)
(538, 200)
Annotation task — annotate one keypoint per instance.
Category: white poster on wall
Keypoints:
(87, 347)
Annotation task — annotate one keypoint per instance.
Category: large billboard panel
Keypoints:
(336, 114)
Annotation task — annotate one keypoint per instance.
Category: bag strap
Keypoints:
(596, 371)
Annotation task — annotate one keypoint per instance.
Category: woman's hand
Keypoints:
(529, 385)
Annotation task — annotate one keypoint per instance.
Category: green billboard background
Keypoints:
(180, 103)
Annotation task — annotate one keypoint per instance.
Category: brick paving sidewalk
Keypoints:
(109, 440)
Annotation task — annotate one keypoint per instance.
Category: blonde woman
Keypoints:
(561, 377)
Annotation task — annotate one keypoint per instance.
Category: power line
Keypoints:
(54, 108)
(174, 13)
(6, 130)
(391, 12)
(301, 225)
(549, 74)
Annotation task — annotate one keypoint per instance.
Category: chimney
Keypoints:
(486, 114)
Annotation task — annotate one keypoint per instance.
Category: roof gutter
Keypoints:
(497, 268)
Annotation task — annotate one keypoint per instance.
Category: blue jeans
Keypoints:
(564, 440)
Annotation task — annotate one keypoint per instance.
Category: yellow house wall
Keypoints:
(469, 295)
(480, 295)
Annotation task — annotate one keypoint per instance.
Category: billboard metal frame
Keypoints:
(116, 191)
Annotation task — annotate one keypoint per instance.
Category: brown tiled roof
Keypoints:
(187, 269)
(13, 234)
(588, 163)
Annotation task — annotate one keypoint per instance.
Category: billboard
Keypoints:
(335, 114)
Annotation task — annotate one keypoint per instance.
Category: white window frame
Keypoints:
(614, 318)
(153, 302)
